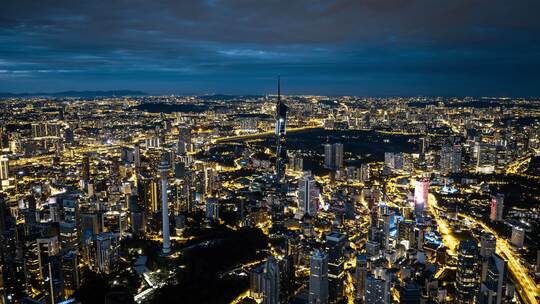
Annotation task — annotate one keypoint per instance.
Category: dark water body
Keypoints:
(358, 146)
(354, 141)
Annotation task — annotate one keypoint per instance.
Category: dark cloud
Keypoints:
(355, 46)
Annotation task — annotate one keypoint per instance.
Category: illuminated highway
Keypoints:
(525, 284)
(527, 287)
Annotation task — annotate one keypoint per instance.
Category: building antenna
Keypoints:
(279, 88)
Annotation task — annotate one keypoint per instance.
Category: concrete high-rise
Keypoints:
(467, 276)
(333, 156)
(450, 159)
(491, 289)
(271, 282)
(360, 277)
(488, 243)
(496, 208)
(335, 246)
(421, 192)
(280, 133)
(410, 293)
(318, 278)
(376, 289)
(308, 195)
(518, 236)
(163, 171)
(4, 167)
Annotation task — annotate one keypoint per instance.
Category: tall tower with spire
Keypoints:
(281, 125)
(163, 171)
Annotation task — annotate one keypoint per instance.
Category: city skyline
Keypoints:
(269, 152)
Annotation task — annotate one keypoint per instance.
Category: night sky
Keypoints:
(374, 47)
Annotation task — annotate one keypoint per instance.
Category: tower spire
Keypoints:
(279, 88)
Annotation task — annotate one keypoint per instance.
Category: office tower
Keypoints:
(280, 133)
(450, 159)
(271, 281)
(375, 290)
(488, 243)
(338, 155)
(4, 167)
(308, 194)
(328, 155)
(410, 293)
(91, 224)
(256, 283)
(421, 190)
(49, 267)
(163, 171)
(70, 207)
(424, 147)
(335, 246)
(184, 141)
(47, 247)
(68, 235)
(107, 250)
(318, 278)
(491, 288)
(210, 177)
(364, 173)
(286, 273)
(496, 207)
(296, 162)
(386, 219)
(389, 160)
(85, 171)
(333, 156)
(4, 139)
(485, 157)
(518, 236)
(467, 275)
(70, 273)
(406, 234)
(212, 208)
(360, 277)
(137, 156)
(420, 236)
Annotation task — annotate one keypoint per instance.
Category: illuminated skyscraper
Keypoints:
(335, 246)
(308, 195)
(467, 276)
(361, 276)
(421, 189)
(450, 159)
(280, 132)
(491, 289)
(518, 236)
(4, 167)
(333, 156)
(163, 171)
(318, 278)
(496, 208)
(488, 243)
(376, 289)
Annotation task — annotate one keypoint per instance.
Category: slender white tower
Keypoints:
(163, 171)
